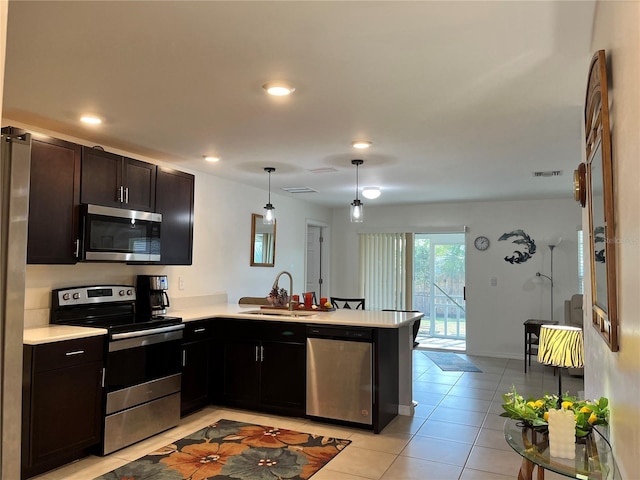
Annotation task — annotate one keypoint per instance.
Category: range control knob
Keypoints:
(129, 292)
(121, 293)
(76, 296)
(66, 296)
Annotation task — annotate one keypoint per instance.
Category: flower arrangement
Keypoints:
(535, 412)
(278, 297)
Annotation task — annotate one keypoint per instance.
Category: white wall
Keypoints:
(617, 375)
(494, 314)
(221, 250)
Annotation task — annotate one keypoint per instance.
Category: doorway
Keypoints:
(316, 260)
(438, 290)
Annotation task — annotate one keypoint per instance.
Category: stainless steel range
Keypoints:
(142, 374)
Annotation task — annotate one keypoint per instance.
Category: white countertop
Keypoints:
(58, 333)
(353, 318)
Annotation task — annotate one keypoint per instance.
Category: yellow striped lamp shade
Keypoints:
(561, 346)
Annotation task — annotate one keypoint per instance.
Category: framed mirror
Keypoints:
(599, 182)
(263, 242)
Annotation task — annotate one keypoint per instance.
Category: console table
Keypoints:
(531, 330)
(594, 458)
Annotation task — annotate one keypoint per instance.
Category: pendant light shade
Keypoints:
(269, 217)
(357, 208)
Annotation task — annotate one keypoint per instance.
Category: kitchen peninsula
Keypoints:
(402, 321)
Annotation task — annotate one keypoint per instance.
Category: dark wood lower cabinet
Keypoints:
(283, 376)
(62, 402)
(196, 367)
(262, 372)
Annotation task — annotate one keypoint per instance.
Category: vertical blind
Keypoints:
(383, 270)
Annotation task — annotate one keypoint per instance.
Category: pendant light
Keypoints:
(269, 217)
(356, 205)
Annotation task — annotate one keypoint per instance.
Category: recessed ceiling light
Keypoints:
(212, 159)
(91, 119)
(371, 192)
(279, 89)
(361, 144)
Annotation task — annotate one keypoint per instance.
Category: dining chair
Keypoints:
(348, 303)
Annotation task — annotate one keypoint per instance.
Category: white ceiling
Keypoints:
(462, 100)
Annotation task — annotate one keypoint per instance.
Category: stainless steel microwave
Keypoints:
(119, 235)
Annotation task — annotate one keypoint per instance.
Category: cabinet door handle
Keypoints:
(199, 330)
(184, 358)
(121, 194)
(76, 252)
(257, 353)
(75, 352)
(102, 379)
(261, 353)
(126, 195)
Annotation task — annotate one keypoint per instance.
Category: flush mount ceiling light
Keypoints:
(279, 89)
(91, 119)
(269, 217)
(361, 144)
(210, 158)
(371, 192)
(356, 205)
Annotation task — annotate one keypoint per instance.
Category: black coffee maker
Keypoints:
(151, 295)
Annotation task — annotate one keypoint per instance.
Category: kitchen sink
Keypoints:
(280, 313)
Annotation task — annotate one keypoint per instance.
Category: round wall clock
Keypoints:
(481, 243)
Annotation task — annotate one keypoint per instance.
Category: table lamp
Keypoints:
(561, 346)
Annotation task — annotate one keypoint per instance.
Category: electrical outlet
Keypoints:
(494, 281)
(180, 283)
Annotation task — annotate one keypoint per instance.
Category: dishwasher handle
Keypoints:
(340, 333)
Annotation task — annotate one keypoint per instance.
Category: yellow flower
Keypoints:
(566, 405)
(585, 409)
(531, 404)
(546, 416)
(592, 418)
(539, 404)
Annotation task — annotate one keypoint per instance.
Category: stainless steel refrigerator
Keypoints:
(15, 160)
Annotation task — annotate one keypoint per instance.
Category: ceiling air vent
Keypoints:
(323, 170)
(548, 173)
(299, 189)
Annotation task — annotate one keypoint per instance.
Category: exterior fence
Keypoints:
(444, 315)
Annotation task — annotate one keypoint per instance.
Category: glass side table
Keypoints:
(594, 458)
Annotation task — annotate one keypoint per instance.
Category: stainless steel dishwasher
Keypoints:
(340, 373)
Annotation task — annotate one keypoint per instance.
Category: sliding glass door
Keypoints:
(438, 285)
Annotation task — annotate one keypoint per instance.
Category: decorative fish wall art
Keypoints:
(522, 239)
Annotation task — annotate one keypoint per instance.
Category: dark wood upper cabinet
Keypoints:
(115, 181)
(174, 200)
(54, 193)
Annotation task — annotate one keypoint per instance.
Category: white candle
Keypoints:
(562, 433)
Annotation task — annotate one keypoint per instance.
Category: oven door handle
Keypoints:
(144, 333)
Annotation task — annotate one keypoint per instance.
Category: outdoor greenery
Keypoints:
(438, 285)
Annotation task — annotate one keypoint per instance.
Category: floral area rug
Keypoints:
(228, 450)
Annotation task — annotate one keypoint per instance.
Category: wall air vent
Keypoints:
(548, 173)
(299, 189)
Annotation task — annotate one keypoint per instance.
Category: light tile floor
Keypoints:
(455, 434)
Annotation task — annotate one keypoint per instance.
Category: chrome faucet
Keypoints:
(275, 285)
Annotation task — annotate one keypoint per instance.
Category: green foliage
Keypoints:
(535, 412)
